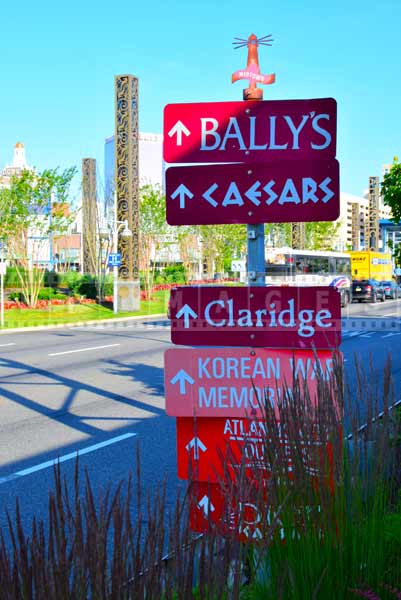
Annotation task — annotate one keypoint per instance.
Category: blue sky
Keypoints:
(58, 62)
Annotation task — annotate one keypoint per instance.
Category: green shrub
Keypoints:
(108, 286)
(170, 274)
(85, 285)
(46, 293)
(11, 279)
(69, 279)
(16, 296)
(51, 279)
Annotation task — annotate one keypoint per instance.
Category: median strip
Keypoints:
(82, 350)
(61, 459)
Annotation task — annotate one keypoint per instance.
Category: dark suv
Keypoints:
(391, 289)
(368, 290)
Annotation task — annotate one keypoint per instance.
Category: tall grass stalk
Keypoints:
(92, 548)
(328, 505)
(340, 523)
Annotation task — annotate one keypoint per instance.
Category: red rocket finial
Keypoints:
(252, 70)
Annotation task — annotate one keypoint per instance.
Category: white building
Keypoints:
(18, 165)
(361, 203)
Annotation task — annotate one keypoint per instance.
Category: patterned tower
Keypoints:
(372, 241)
(89, 215)
(127, 187)
(298, 235)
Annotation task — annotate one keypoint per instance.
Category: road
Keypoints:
(99, 390)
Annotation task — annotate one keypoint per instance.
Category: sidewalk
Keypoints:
(111, 322)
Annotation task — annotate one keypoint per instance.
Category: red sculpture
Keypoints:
(252, 70)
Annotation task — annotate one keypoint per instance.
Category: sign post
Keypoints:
(263, 162)
(255, 232)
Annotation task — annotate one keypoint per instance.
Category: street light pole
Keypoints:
(115, 272)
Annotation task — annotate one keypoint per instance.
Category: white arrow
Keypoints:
(182, 376)
(186, 311)
(197, 445)
(268, 190)
(207, 195)
(206, 505)
(324, 187)
(253, 194)
(179, 129)
(181, 192)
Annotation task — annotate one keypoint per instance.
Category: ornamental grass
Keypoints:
(316, 516)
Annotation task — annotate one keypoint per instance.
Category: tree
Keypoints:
(153, 231)
(31, 210)
(321, 235)
(391, 193)
(190, 250)
(391, 190)
(220, 244)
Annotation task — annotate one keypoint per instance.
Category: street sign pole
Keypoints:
(256, 254)
(115, 272)
(256, 232)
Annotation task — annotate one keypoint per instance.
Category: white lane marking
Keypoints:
(10, 344)
(390, 335)
(396, 314)
(82, 350)
(60, 459)
(354, 333)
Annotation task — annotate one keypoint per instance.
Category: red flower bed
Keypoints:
(41, 304)
(9, 304)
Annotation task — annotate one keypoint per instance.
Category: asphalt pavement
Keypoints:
(98, 390)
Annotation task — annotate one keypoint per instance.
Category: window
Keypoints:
(343, 266)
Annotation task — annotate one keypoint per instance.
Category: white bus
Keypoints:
(285, 266)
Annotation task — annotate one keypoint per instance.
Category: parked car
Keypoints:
(391, 289)
(368, 290)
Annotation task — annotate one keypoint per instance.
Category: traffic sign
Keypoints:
(209, 448)
(277, 192)
(114, 259)
(250, 131)
(233, 382)
(282, 317)
(212, 506)
(3, 267)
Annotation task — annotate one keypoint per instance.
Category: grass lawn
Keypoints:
(80, 312)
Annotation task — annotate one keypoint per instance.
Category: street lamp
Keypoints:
(126, 232)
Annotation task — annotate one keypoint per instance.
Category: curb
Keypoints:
(111, 322)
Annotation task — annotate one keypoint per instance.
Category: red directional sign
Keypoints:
(231, 382)
(251, 131)
(213, 507)
(282, 317)
(208, 449)
(253, 193)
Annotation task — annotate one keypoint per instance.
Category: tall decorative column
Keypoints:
(89, 253)
(298, 235)
(372, 243)
(127, 188)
